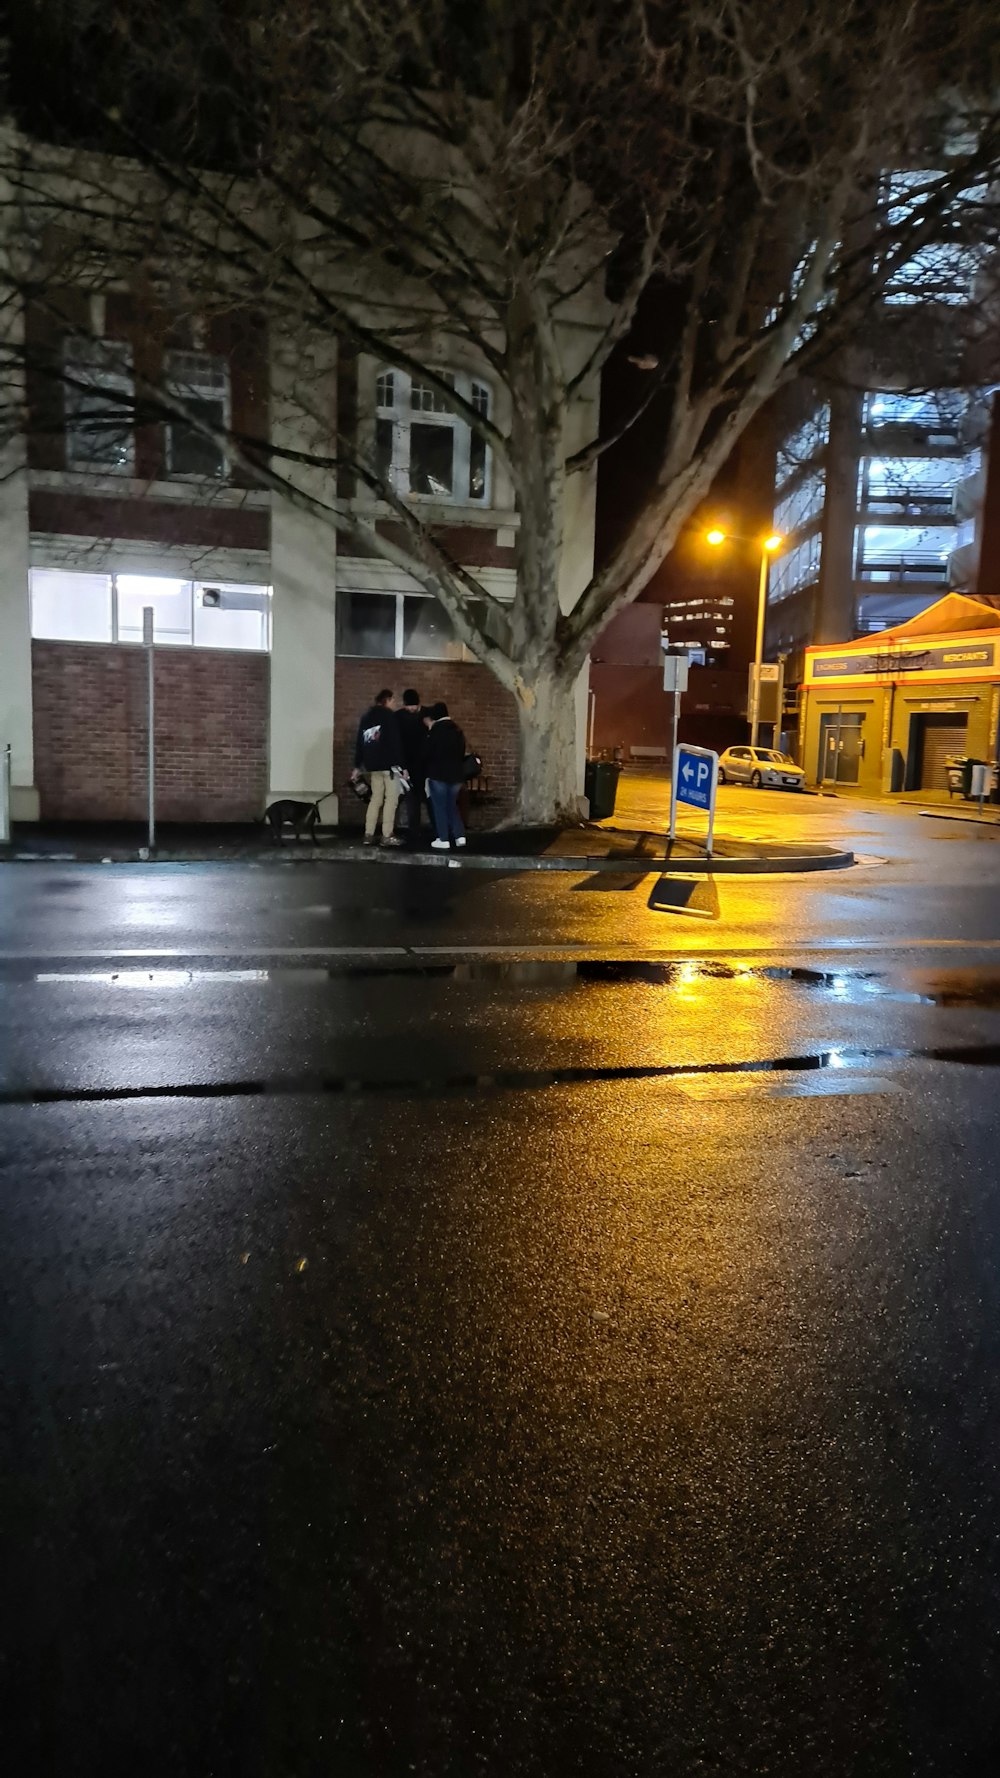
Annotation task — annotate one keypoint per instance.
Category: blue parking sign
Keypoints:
(694, 780)
(696, 770)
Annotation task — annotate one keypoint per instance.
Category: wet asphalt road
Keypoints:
(456, 1324)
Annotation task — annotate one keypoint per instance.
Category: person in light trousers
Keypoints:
(379, 752)
(444, 764)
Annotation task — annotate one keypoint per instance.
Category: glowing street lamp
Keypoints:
(768, 547)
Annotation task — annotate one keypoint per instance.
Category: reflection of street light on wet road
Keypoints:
(768, 547)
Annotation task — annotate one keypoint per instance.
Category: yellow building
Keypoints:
(884, 713)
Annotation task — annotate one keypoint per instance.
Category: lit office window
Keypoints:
(70, 607)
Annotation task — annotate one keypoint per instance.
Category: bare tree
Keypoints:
(428, 183)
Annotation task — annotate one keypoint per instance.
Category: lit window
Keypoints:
(795, 569)
(804, 444)
(201, 382)
(895, 484)
(927, 413)
(941, 271)
(805, 502)
(904, 552)
(424, 446)
(68, 607)
(98, 404)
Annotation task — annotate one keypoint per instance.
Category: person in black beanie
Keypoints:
(414, 738)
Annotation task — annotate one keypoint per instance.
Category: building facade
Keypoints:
(271, 633)
(877, 495)
(884, 713)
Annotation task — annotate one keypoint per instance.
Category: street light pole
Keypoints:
(758, 656)
(767, 548)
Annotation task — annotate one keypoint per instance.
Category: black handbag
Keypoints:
(472, 765)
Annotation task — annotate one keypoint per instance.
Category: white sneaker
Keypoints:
(440, 845)
(460, 842)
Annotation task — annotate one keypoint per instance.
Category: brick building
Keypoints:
(272, 634)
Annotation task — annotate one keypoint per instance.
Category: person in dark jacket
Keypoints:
(444, 763)
(379, 752)
(414, 739)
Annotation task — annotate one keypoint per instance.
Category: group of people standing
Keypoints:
(409, 755)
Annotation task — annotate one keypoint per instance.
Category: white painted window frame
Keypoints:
(401, 413)
(200, 376)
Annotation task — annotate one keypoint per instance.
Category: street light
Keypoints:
(768, 547)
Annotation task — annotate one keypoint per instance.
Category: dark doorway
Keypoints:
(934, 738)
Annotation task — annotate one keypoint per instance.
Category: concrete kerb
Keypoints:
(581, 864)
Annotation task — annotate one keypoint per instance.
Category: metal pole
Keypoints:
(711, 812)
(592, 696)
(759, 648)
(675, 719)
(147, 639)
(5, 796)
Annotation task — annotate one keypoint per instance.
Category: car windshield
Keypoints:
(777, 759)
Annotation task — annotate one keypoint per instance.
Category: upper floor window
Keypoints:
(931, 414)
(201, 382)
(795, 568)
(804, 503)
(424, 446)
(900, 484)
(98, 397)
(904, 552)
(804, 445)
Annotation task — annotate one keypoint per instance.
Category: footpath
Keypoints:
(634, 840)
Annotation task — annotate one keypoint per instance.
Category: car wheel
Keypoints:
(755, 780)
(722, 776)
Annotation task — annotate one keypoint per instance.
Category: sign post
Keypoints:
(695, 781)
(675, 680)
(147, 643)
(5, 795)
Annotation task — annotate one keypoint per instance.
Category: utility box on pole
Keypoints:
(770, 697)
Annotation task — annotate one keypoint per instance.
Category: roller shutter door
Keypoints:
(943, 736)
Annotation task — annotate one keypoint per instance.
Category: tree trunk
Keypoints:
(546, 706)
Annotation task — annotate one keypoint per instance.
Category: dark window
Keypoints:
(427, 631)
(191, 453)
(477, 467)
(383, 449)
(432, 457)
(366, 624)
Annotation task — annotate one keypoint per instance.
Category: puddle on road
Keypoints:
(855, 1075)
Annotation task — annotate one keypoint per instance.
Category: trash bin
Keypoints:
(955, 767)
(969, 777)
(600, 785)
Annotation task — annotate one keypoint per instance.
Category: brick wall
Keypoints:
(478, 703)
(90, 732)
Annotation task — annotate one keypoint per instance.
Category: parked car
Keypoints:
(760, 766)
